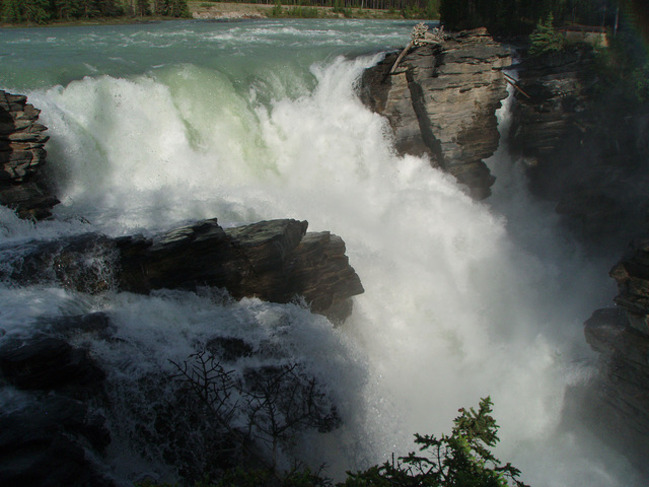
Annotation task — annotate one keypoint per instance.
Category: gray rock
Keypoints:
(584, 145)
(273, 260)
(45, 444)
(46, 362)
(22, 154)
(441, 102)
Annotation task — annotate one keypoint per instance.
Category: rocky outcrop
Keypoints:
(583, 145)
(50, 434)
(273, 260)
(22, 153)
(621, 336)
(441, 102)
(64, 404)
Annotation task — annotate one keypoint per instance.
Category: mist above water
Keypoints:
(462, 299)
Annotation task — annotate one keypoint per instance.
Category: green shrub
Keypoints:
(303, 12)
(641, 82)
(277, 9)
(339, 8)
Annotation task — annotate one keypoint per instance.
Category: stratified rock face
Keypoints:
(22, 153)
(441, 102)
(632, 277)
(585, 149)
(554, 91)
(621, 336)
(273, 260)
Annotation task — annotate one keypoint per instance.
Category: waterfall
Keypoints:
(463, 299)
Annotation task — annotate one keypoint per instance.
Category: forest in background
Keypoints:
(44, 11)
(519, 17)
(510, 17)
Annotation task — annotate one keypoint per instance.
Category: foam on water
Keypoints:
(457, 305)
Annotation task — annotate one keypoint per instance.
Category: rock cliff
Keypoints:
(583, 145)
(621, 336)
(22, 153)
(441, 102)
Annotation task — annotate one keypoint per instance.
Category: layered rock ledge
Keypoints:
(584, 146)
(22, 153)
(441, 102)
(621, 336)
(273, 260)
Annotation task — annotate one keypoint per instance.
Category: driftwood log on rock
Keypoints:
(273, 260)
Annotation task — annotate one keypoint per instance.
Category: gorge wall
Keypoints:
(584, 145)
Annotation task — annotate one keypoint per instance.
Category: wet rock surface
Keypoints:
(66, 409)
(274, 260)
(50, 434)
(621, 336)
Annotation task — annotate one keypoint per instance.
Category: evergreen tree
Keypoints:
(66, 9)
(461, 459)
(178, 8)
(10, 11)
(89, 8)
(521, 16)
(36, 11)
(161, 7)
(142, 8)
(110, 8)
(545, 38)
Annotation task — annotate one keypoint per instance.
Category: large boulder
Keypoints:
(441, 102)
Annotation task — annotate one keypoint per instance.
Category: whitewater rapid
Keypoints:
(463, 299)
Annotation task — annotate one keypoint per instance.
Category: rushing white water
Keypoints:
(259, 120)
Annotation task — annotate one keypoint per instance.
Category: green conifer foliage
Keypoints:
(36, 11)
(178, 8)
(461, 459)
(10, 11)
(142, 8)
(545, 38)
